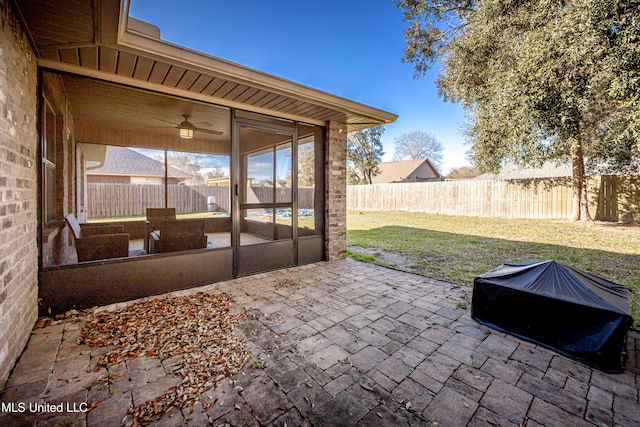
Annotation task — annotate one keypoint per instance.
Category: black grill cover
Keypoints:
(570, 311)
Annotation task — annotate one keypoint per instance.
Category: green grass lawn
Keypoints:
(457, 249)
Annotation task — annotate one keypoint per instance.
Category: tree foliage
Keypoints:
(364, 153)
(463, 172)
(416, 145)
(306, 165)
(539, 79)
(193, 164)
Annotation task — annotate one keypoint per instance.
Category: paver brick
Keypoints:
(339, 384)
(382, 380)
(550, 393)
(464, 389)
(313, 344)
(533, 356)
(409, 356)
(343, 410)
(547, 414)
(473, 377)
(599, 415)
(473, 330)
(422, 345)
(372, 336)
(367, 358)
(576, 387)
(368, 396)
(627, 407)
(604, 398)
(464, 341)
(411, 391)
(397, 309)
(391, 347)
(403, 333)
(356, 322)
(450, 408)
(613, 385)
(291, 418)
(150, 391)
(382, 416)
(238, 417)
(384, 324)
(328, 356)
(572, 368)
(449, 313)
(344, 338)
(507, 400)
(438, 366)
(290, 379)
(319, 375)
(484, 417)
(266, 400)
(394, 368)
(497, 347)
(111, 411)
(437, 333)
(462, 354)
(309, 395)
(555, 377)
(415, 321)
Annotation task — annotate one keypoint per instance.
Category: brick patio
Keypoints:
(348, 344)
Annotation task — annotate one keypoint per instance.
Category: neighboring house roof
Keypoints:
(513, 171)
(552, 169)
(124, 161)
(406, 171)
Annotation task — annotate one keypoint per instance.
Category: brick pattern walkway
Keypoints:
(343, 343)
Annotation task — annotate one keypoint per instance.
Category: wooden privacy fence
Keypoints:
(529, 199)
(125, 200)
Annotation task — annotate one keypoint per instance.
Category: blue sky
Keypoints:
(351, 48)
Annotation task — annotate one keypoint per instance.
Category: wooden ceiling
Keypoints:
(87, 37)
(98, 103)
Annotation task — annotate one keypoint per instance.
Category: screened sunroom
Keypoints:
(163, 168)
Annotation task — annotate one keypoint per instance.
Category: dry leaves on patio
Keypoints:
(197, 328)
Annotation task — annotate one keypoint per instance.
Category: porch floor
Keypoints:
(349, 344)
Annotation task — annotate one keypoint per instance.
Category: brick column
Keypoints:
(18, 191)
(336, 191)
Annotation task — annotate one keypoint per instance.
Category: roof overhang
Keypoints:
(98, 39)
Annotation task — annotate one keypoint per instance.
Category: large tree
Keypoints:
(364, 153)
(418, 144)
(539, 79)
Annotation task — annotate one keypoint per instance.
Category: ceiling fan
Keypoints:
(187, 129)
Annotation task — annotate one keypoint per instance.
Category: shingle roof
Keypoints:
(398, 171)
(125, 161)
(513, 171)
(555, 169)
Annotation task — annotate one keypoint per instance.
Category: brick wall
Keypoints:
(108, 179)
(18, 190)
(336, 191)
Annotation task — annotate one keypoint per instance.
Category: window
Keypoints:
(49, 132)
(122, 182)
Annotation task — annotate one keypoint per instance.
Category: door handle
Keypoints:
(237, 190)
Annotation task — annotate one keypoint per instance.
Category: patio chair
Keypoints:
(161, 214)
(177, 235)
(94, 242)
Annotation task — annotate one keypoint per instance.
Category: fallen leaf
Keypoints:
(366, 387)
